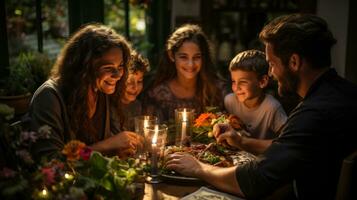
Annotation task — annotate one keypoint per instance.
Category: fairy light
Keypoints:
(44, 192)
(68, 176)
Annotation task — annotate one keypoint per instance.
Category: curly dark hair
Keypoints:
(138, 63)
(304, 34)
(76, 72)
(207, 90)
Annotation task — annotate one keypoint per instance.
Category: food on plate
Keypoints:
(203, 127)
(212, 153)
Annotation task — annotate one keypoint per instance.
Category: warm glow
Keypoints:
(44, 192)
(184, 115)
(154, 138)
(146, 123)
(68, 176)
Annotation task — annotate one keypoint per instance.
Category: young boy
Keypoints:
(262, 113)
(129, 103)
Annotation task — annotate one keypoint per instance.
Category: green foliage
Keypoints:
(114, 17)
(211, 158)
(202, 130)
(77, 173)
(27, 72)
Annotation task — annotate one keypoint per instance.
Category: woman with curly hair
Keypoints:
(185, 76)
(88, 75)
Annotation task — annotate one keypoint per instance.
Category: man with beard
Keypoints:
(317, 135)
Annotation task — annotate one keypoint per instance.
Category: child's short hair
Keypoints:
(138, 63)
(250, 60)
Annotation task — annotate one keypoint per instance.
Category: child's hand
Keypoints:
(225, 134)
(219, 129)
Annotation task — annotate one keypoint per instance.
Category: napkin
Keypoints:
(205, 193)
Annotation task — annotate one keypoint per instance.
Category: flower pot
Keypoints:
(19, 102)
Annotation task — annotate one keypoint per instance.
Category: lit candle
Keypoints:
(156, 133)
(146, 123)
(154, 152)
(184, 126)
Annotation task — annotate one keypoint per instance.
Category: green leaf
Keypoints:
(107, 182)
(98, 165)
(119, 182)
(86, 183)
(131, 175)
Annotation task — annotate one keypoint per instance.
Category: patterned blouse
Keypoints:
(162, 102)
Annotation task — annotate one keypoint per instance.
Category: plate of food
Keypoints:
(176, 178)
(213, 154)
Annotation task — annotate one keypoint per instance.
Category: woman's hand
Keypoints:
(124, 143)
(127, 140)
(225, 134)
(185, 164)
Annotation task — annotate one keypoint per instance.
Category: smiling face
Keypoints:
(133, 87)
(111, 69)
(188, 60)
(287, 80)
(246, 86)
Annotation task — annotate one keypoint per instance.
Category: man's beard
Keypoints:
(288, 84)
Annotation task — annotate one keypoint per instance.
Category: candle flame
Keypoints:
(44, 192)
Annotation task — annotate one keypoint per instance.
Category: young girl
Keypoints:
(186, 76)
(260, 111)
(129, 103)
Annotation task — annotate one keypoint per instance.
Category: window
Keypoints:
(115, 17)
(23, 30)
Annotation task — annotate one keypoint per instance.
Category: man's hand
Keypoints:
(185, 164)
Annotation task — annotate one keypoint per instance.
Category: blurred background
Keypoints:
(32, 32)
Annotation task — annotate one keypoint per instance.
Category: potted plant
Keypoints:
(26, 73)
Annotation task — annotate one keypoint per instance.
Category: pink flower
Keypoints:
(85, 153)
(49, 175)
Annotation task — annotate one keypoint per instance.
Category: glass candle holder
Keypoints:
(183, 121)
(156, 136)
(141, 122)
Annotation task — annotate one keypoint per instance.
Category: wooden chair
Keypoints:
(346, 188)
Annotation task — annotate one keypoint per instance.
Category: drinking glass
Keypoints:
(141, 122)
(156, 136)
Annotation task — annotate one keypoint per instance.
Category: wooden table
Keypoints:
(167, 191)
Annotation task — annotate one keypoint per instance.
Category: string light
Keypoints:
(68, 176)
(44, 192)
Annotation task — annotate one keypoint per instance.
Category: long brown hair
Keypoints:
(76, 73)
(206, 87)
